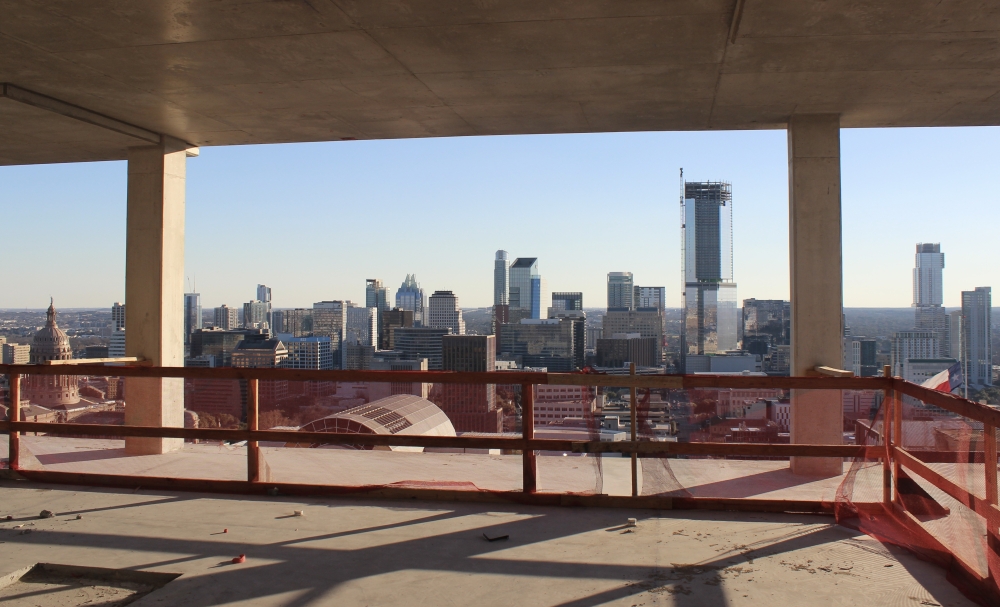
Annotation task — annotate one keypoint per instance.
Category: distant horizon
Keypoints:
(464, 308)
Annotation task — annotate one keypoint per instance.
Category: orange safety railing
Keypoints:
(527, 444)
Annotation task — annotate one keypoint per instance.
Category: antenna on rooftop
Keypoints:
(682, 185)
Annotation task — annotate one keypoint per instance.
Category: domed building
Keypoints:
(51, 343)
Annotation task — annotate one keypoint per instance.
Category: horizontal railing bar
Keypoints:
(496, 377)
(467, 442)
(657, 502)
(785, 383)
(749, 449)
(949, 402)
(672, 382)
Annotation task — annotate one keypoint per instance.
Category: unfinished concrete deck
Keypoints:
(356, 552)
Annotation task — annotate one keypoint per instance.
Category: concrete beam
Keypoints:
(816, 281)
(154, 289)
(16, 93)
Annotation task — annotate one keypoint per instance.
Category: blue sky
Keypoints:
(313, 221)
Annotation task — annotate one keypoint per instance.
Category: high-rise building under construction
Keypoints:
(710, 309)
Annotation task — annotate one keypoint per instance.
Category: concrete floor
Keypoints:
(357, 552)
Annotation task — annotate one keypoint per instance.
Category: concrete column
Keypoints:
(154, 290)
(816, 282)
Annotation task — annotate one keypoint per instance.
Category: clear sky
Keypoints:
(313, 221)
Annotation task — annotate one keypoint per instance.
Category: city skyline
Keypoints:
(564, 183)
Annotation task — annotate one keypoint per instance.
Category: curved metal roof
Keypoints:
(399, 414)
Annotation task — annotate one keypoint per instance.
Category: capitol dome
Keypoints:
(51, 343)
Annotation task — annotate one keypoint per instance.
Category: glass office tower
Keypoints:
(710, 305)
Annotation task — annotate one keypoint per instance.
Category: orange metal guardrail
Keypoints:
(893, 455)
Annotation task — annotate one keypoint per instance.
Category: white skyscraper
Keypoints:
(927, 275)
(501, 272)
(621, 291)
(929, 313)
(445, 313)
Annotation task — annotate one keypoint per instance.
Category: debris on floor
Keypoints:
(240, 559)
(46, 514)
(496, 538)
(631, 522)
(299, 513)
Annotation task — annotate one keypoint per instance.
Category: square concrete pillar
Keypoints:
(154, 290)
(816, 282)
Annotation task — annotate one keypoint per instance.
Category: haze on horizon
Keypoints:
(313, 221)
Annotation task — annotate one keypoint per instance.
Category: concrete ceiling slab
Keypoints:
(227, 72)
(68, 25)
(54, 135)
(423, 13)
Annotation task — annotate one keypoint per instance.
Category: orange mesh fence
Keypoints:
(932, 495)
(563, 412)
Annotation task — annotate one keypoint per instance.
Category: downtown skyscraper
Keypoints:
(621, 290)
(977, 341)
(192, 315)
(501, 279)
(264, 296)
(376, 295)
(928, 297)
(411, 297)
(528, 290)
(710, 305)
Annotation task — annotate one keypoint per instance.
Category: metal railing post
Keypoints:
(14, 457)
(529, 479)
(253, 417)
(990, 461)
(887, 414)
(897, 440)
(633, 414)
